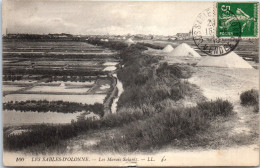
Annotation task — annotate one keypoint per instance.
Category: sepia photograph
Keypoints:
(130, 83)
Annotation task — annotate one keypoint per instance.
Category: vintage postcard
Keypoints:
(130, 83)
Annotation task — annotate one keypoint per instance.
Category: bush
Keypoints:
(148, 109)
(159, 129)
(179, 71)
(165, 69)
(250, 97)
(165, 105)
(215, 108)
(124, 116)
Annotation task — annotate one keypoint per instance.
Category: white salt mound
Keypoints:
(110, 68)
(110, 63)
(231, 60)
(184, 50)
(129, 41)
(62, 84)
(168, 48)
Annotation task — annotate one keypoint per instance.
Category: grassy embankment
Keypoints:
(148, 112)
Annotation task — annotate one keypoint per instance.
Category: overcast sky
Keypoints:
(81, 17)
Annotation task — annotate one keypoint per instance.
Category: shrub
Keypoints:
(179, 71)
(159, 129)
(250, 97)
(165, 69)
(124, 116)
(148, 109)
(215, 108)
(172, 123)
(165, 105)
(176, 93)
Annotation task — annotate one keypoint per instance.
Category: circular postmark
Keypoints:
(205, 35)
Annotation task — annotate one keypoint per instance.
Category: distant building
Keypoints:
(160, 37)
(172, 38)
(62, 35)
(183, 35)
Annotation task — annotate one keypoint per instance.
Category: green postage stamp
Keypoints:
(245, 14)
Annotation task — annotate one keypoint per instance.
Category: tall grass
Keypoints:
(166, 126)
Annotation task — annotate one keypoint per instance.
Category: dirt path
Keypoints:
(229, 84)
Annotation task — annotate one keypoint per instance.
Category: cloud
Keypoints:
(99, 17)
(45, 25)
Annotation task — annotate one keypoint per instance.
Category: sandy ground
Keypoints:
(228, 84)
(243, 128)
(223, 82)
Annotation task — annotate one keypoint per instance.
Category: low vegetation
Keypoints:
(166, 126)
(50, 78)
(51, 72)
(12, 77)
(140, 130)
(215, 108)
(31, 56)
(49, 136)
(147, 84)
(250, 98)
(53, 106)
(69, 78)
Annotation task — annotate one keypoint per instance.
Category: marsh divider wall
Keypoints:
(109, 99)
